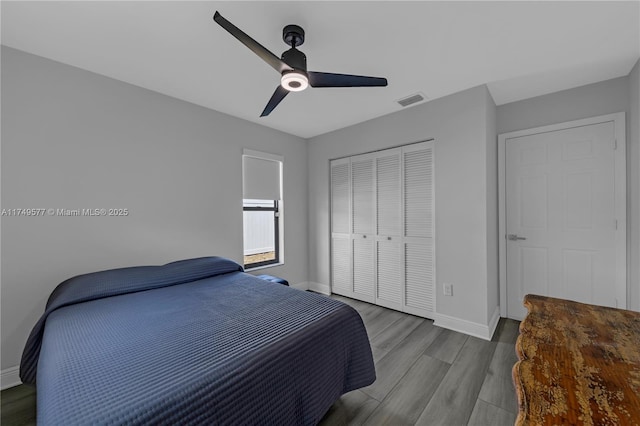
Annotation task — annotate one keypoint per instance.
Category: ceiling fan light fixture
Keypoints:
(294, 81)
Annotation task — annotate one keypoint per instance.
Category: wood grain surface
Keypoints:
(579, 364)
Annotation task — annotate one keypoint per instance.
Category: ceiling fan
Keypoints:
(292, 66)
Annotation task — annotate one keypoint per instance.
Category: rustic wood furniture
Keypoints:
(579, 364)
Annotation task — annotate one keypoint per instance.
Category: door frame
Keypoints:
(620, 195)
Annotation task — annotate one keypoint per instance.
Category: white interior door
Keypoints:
(562, 221)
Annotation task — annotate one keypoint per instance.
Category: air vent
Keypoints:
(409, 100)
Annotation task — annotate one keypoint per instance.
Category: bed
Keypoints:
(196, 341)
(579, 364)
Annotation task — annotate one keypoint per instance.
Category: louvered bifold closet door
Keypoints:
(363, 269)
(341, 277)
(363, 187)
(419, 288)
(341, 268)
(419, 294)
(363, 225)
(418, 190)
(389, 277)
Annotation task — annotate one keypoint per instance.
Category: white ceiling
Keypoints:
(519, 49)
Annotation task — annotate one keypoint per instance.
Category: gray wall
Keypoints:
(634, 184)
(74, 139)
(458, 123)
(606, 97)
(493, 269)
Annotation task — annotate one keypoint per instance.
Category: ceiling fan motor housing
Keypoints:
(295, 59)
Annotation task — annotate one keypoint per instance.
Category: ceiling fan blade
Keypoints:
(277, 96)
(327, 79)
(271, 59)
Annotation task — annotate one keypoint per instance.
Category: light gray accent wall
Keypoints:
(74, 139)
(458, 124)
(493, 273)
(634, 182)
(605, 97)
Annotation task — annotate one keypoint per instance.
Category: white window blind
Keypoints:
(261, 176)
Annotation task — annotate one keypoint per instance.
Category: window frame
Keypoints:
(276, 234)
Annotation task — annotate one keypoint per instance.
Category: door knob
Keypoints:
(514, 237)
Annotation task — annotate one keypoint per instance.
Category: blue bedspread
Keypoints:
(223, 348)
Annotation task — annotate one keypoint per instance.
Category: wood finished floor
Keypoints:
(426, 376)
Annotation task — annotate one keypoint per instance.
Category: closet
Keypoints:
(382, 246)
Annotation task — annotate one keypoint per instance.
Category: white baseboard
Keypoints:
(482, 331)
(320, 288)
(10, 377)
(304, 285)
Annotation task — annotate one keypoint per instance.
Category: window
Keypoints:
(262, 208)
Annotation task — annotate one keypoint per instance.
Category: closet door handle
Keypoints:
(389, 238)
(364, 236)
